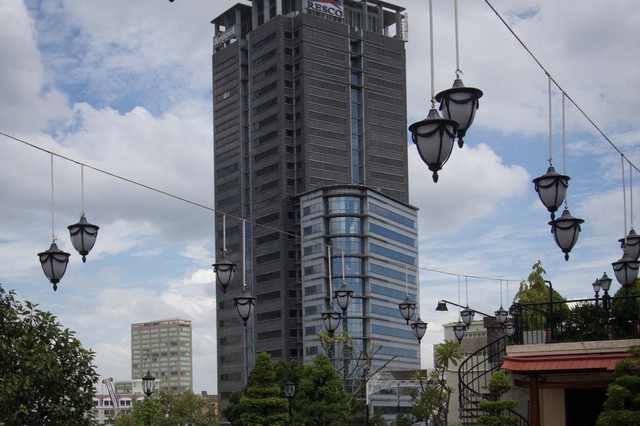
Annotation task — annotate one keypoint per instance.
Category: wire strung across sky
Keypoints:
(418, 268)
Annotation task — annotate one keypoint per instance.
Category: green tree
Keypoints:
(320, 399)
(46, 376)
(622, 406)
(263, 402)
(432, 399)
(625, 311)
(499, 384)
(232, 413)
(168, 409)
(536, 291)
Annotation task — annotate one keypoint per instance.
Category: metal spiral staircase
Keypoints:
(473, 380)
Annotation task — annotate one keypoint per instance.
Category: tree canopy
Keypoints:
(168, 409)
(622, 406)
(46, 376)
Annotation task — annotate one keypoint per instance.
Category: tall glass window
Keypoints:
(344, 205)
(345, 225)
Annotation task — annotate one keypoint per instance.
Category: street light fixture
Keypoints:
(597, 286)
(631, 244)
(289, 391)
(419, 329)
(343, 296)
(244, 304)
(407, 309)
(467, 315)
(552, 188)
(148, 383)
(626, 270)
(460, 104)
(54, 263)
(459, 330)
(223, 268)
(83, 236)
(502, 315)
(331, 320)
(566, 231)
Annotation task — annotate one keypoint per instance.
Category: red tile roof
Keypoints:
(605, 362)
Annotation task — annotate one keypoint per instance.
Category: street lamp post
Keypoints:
(289, 391)
(549, 337)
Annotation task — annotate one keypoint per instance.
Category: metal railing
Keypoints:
(582, 320)
(473, 380)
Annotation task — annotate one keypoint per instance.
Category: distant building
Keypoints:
(164, 348)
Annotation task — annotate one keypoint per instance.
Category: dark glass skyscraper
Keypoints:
(311, 152)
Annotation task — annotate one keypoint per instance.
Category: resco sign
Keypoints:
(224, 37)
(329, 7)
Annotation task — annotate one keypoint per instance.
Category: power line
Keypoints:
(212, 209)
(584, 114)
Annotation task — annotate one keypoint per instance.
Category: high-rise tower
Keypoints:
(310, 138)
(164, 349)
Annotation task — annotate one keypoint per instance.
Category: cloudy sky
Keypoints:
(125, 87)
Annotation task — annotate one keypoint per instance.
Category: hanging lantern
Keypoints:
(631, 244)
(467, 316)
(434, 138)
(552, 189)
(501, 315)
(83, 236)
(566, 231)
(442, 306)
(459, 330)
(54, 264)
(407, 309)
(343, 296)
(224, 271)
(331, 320)
(460, 104)
(626, 270)
(419, 329)
(244, 304)
(510, 328)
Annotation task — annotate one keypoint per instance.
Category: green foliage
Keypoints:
(625, 311)
(46, 376)
(536, 291)
(168, 409)
(499, 384)
(263, 402)
(232, 413)
(320, 398)
(622, 406)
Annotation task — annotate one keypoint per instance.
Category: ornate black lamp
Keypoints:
(434, 138)
(343, 296)
(54, 263)
(552, 189)
(467, 315)
(501, 315)
(460, 104)
(407, 309)
(148, 383)
(331, 320)
(626, 270)
(244, 304)
(225, 272)
(419, 328)
(289, 391)
(459, 330)
(631, 244)
(83, 236)
(566, 230)
(510, 328)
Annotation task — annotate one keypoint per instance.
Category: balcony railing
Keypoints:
(582, 320)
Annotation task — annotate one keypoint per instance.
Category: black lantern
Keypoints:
(148, 383)
(442, 306)
(343, 296)
(626, 270)
(467, 315)
(501, 315)
(83, 236)
(458, 330)
(289, 391)
(631, 244)
(460, 104)
(331, 320)
(434, 138)
(407, 309)
(244, 304)
(552, 189)
(566, 231)
(54, 264)
(419, 329)
(510, 328)
(224, 271)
